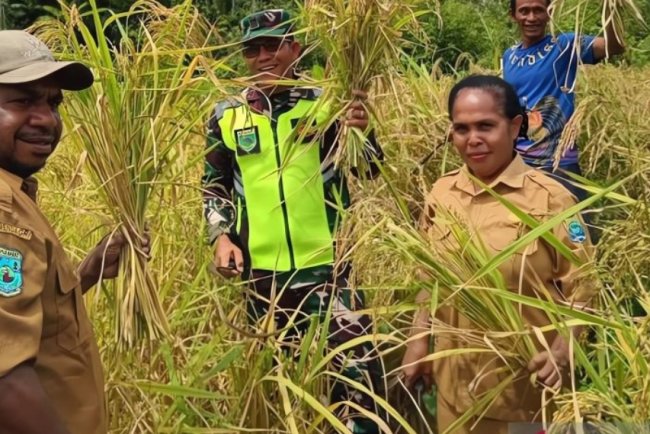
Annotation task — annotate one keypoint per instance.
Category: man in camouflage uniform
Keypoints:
(272, 199)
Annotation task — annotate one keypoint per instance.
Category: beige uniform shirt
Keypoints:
(42, 313)
(461, 379)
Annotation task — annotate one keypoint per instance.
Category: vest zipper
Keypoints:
(283, 203)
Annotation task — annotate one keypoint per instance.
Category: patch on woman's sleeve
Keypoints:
(11, 272)
(576, 230)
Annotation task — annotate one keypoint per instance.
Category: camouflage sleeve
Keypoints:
(217, 183)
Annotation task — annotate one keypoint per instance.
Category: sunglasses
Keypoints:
(271, 45)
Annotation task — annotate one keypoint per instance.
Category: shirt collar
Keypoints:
(513, 176)
(29, 185)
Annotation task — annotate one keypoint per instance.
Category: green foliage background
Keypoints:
(476, 30)
(211, 377)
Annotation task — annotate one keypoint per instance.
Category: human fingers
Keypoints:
(553, 379)
(410, 375)
(357, 105)
(537, 361)
(239, 259)
(356, 113)
(115, 239)
(226, 261)
(558, 384)
(360, 94)
(223, 258)
(146, 243)
(111, 246)
(227, 272)
(546, 371)
(362, 124)
(223, 265)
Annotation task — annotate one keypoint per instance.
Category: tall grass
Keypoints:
(132, 124)
(364, 41)
(214, 374)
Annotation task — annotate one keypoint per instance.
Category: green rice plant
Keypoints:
(363, 40)
(619, 358)
(131, 124)
(209, 377)
(613, 25)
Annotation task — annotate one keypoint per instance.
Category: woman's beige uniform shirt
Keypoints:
(542, 197)
(42, 315)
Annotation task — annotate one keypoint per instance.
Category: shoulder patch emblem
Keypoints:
(576, 231)
(11, 272)
(25, 234)
(248, 141)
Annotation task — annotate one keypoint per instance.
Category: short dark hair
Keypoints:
(503, 92)
(513, 5)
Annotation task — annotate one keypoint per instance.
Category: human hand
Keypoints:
(550, 366)
(413, 368)
(102, 262)
(357, 114)
(228, 258)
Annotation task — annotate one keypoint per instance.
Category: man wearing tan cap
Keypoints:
(50, 371)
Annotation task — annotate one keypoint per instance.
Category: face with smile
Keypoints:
(30, 125)
(270, 59)
(482, 133)
(532, 17)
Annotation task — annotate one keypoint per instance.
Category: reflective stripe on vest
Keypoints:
(285, 203)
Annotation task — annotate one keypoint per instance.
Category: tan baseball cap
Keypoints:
(24, 58)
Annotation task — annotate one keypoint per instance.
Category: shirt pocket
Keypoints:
(72, 329)
(503, 233)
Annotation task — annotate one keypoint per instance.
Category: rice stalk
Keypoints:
(612, 13)
(132, 123)
(364, 41)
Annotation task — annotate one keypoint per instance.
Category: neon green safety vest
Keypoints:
(283, 186)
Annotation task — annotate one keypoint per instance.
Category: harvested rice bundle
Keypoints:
(363, 40)
(132, 124)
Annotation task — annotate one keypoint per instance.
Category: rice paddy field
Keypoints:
(178, 354)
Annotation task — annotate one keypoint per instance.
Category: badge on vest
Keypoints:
(248, 141)
(11, 272)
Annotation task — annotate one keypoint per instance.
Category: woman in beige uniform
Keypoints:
(486, 119)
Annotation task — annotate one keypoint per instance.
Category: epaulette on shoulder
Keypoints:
(554, 188)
